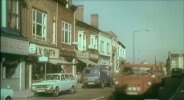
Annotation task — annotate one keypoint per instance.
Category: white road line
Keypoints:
(98, 98)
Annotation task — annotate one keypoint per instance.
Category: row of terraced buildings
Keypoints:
(48, 36)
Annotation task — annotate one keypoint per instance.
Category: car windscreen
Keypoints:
(52, 77)
(136, 71)
(91, 72)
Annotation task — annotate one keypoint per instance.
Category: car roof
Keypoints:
(59, 74)
(139, 65)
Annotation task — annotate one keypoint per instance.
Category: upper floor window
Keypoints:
(102, 46)
(53, 32)
(39, 25)
(66, 32)
(108, 48)
(13, 14)
(93, 42)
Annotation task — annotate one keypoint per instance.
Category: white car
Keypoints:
(7, 93)
(55, 83)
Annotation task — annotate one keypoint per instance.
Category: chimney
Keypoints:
(79, 12)
(94, 20)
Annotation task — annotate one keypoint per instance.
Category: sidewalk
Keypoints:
(23, 94)
(28, 94)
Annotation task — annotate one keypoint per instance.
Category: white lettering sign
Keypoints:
(47, 51)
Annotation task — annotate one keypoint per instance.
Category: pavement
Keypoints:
(28, 94)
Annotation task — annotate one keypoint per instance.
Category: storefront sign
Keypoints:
(67, 53)
(93, 56)
(82, 54)
(43, 50)
(43, 59)
(14, 46)
(105, 63)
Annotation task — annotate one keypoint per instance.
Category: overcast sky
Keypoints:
(163, 18)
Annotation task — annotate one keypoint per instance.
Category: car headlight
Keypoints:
(33, 87)
(149, 83)
(50, 88)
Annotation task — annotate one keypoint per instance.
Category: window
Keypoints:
(39, 25)
(13, 14)
(102, 46)
(93, 41)
(53, 32)
(108, 48)
(84, 41)
(66, 33)
(10, 67)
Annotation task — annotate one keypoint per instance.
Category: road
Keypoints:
(106, 93)
(81, 94)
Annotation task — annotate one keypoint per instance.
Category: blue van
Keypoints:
(97, 76)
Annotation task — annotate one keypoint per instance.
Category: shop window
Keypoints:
(10, 69)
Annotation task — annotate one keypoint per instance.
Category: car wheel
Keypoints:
(8, 98)
(72, 90)
(56, 92)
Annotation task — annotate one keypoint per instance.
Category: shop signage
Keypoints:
(93, 56)
(82, 54)
(14, 46)
(43, 50)
(43, 59)
(105, 62)
(67, 53)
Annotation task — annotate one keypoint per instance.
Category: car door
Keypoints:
(63, 83)
(68, 81)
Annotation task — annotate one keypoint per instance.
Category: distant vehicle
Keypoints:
(55, 83)
(137, 79)
(97, 76)
(176, 72)
(7, 93)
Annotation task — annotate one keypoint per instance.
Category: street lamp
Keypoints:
(134, 42)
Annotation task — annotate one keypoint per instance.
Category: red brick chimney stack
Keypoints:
(79, 12)
(94, 20)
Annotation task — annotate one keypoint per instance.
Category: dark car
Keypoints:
(97, 76)
(176, 72)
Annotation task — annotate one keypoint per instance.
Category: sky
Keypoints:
(164, 20)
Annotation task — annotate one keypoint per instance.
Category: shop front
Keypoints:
(83, 61)
(68, 56)
(105, 62)
(14, 52)
(40, 61)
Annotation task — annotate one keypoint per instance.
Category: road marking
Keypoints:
(98, 98)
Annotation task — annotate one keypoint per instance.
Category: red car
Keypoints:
(137, 79)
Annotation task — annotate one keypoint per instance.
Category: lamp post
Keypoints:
(134, 42)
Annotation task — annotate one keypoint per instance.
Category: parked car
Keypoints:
(137, 79)
(55, 83)
(97, 76)
(7, 93)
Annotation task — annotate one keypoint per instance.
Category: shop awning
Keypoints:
(87, 61)
(58, 61)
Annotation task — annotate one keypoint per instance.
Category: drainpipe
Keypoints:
(56, 22)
